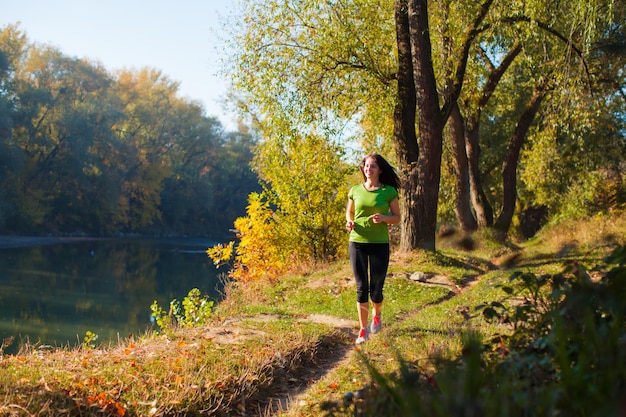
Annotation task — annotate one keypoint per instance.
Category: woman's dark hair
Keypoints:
(388, 175)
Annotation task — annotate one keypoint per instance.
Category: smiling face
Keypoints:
(371, 169)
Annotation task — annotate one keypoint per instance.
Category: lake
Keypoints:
(53, 294)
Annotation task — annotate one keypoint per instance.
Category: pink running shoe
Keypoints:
(362, 336)
(376, 324)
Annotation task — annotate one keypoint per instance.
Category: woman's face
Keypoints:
(371, 169)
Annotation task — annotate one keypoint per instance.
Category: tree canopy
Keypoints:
(467, 94)
(84, 150)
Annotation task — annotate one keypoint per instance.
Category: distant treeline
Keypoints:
(84, 150)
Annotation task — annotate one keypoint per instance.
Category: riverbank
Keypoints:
(8, 241)
(264, 353)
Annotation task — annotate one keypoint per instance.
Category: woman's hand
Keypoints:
(349, 225)
(378, 218)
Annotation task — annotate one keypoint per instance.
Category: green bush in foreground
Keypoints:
(566, 355)
(195, 311)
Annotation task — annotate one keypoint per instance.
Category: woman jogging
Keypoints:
(372, 206)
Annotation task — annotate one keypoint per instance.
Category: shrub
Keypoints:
(194, 311)
(259, 253)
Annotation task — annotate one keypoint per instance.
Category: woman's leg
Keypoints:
(376, 308)
(363, 309)
(359, 263)
(379, 263)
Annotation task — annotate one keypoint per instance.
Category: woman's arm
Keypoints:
(393, 218)
(394, 207)
(350, 214)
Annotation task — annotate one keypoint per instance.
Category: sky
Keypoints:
(182, 38)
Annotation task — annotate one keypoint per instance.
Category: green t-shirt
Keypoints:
(367, 203)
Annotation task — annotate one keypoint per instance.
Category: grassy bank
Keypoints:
(288, 348)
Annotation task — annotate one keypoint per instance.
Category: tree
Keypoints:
(535, 54)
(431, 118)
(339, 54)
(234, 177)
(293, 220)
(83, 150)
(60, 113)
(12, 49)
(309, 64)
(305, 182)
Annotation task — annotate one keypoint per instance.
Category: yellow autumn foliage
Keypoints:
(258, 253)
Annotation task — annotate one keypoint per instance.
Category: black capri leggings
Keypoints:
(376, 256)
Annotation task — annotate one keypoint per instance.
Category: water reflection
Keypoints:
(54, 294)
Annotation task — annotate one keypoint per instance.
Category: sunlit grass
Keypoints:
(186, 372)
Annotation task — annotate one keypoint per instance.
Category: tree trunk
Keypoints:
(462, 208)
(482, 208)
(430, 123)
(404, 136)
(509, 167)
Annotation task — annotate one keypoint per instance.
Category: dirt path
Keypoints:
(291, 383)
(331, 355)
